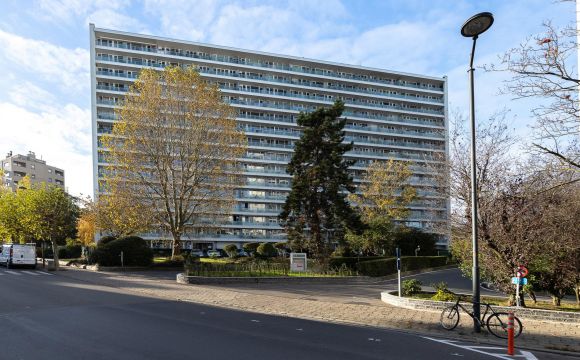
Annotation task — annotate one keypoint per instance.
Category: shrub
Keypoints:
(105, 240)
(342, 251)
(251, 248)
(442, 292)
(281, 247)
(266, 250)
(410, 287)
(352, 262)
(135, 250)
(409, 238)
(70, 252)
(383, 267)
(231, 250)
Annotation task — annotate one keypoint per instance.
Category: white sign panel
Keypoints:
(297, 262)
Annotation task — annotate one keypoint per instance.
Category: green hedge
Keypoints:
(70, 252)
(135, 250)
(383, 267)
(352, 262)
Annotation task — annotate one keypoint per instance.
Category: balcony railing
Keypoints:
(269, 65)
(307, 108)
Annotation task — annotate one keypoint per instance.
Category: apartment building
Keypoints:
(16, 167)
(391, 115)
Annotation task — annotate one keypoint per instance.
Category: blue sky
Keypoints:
(44, 56)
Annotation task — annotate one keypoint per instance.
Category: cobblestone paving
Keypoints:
(325, 307)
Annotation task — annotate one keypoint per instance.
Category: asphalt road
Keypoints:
(55, 317)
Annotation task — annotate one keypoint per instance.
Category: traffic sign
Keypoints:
(522, 271)
(523, 281)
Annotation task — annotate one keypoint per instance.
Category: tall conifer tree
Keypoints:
(320, 183)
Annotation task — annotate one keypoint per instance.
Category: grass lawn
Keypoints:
(543, 305)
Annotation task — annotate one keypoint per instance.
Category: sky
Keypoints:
(44, 53)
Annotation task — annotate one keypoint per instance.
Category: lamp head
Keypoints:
(477, 24)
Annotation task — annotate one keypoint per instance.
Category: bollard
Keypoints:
(510, 329)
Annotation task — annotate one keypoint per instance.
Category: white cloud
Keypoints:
(31, 96)
(183, 19)
(61, 135)
(67, 67)
(68, 11)
(112, 19)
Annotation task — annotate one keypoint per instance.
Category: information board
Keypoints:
(298, 262)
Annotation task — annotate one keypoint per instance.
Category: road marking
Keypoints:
(480, 349)
(31, 273)
(12, 272)
(44, 273)
(255, 320)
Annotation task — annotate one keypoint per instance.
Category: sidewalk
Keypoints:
(322, 305)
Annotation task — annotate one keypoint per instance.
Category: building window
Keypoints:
(33, 176)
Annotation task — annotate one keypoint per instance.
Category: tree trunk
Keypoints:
(556, 300)
(176, 246)
(577, 291)
(55, 254)
(532, 296)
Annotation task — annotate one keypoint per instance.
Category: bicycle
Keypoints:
(497, 322)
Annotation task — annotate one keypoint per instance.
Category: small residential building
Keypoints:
(16, 167)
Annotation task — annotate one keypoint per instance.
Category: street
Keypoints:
(51, 315)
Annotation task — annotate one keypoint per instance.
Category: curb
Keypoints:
(431, 305)
(181, 278)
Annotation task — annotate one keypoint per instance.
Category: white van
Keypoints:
(18, 254)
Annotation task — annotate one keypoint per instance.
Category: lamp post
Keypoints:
(472, 28)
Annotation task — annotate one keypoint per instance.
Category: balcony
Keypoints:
(307, 108)
(268, 65)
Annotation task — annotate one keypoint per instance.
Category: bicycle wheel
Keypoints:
(449, 318)
(497, 325)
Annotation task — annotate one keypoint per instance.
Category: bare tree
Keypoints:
(527, 211)
(175, 150)
(495, 160)
(542, 68)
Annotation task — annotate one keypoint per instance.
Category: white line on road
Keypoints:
(31, 273)
(44, 273)
(12, 272)
(479, 349)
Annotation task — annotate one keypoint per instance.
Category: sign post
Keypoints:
(398, 253)
(520, 279)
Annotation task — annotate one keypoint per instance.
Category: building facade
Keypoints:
(391, 115)
(16, 167)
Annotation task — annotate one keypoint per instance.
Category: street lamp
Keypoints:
(472, 28)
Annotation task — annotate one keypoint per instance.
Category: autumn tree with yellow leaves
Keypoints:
(174, 152)
(383, 197)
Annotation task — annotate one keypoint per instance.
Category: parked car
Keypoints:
(197, 252)
(243, 253)
(18, 255)
(214, 253)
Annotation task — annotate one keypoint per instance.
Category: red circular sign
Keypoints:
(522, 271)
